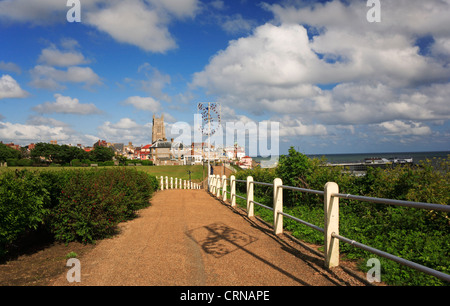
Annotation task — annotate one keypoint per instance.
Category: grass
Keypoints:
(158, 171)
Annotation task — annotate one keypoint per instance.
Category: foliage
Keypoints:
(418, 235)
(74, 205)
(8, 153)
(101, 154)
(60, 154)
(24, 204)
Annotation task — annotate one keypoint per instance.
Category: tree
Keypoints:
(8, 153)
(58, 154)
(101, 154)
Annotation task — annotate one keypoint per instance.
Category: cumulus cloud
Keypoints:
(155, 81)
(66, 105)
(55, 57)
(9, 88)
(26, 133)
(142, 23)
(125, 130)
(144, 103)
(48, 77)
(8, 66)
(323, 68)
(398, 127)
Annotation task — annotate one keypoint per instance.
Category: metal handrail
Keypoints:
(301, 189)
(302, 221)
(262, 205)
(400, 260)
(422, 205)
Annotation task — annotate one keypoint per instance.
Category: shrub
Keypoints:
(73, 204)
(94, 201)
(417, 235)
(24, 203)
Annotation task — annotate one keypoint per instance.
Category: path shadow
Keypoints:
(311, 257)
(218, 239)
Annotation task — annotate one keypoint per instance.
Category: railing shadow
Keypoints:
(218, 239)
(314, 262)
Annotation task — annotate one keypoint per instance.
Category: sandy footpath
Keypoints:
(188, 238)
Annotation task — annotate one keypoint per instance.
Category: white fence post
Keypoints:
(218, 181)
(233, 190)
(176, 183)
(171, 182)
(162, 183)
(250, 204)
(277, 206)
(213, 184)
(167, 182)
(331, 212)
(224, 188)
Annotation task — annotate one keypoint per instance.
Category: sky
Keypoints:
(333, 79)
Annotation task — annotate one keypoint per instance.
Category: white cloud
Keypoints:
(40, 129)
(142, 23)
(126, 130)
(9, 88)
(24, 133)
(39, 120)
(8, 66)
(125, 123)
(144, 103)
(155, 81)
(322, 69)
(51, 78)
(133, 23)
(36, 12)
(54, 57)
(398, 127)
(237, 24)
(67, 105)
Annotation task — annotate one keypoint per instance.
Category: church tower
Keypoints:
(158, 130)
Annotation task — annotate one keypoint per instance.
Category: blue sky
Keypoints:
(334, 81)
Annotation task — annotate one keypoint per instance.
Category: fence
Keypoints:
(331, 196)
(177, 183)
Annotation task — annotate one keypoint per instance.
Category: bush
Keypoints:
(12, 162)
(24, 205)
(75, 205)
(25, 162)
(94, 201)
(417, 235)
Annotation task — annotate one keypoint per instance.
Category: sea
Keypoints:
(267, 162)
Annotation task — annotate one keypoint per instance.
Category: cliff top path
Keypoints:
(188, 238)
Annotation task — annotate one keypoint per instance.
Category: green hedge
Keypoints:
(75, 205)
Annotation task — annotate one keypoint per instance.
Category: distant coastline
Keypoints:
(359, 157)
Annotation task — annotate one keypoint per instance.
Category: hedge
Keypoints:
(73, 204)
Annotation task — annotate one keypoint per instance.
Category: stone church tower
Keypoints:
(158, 130)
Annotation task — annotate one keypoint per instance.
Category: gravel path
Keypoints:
(188, 238)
